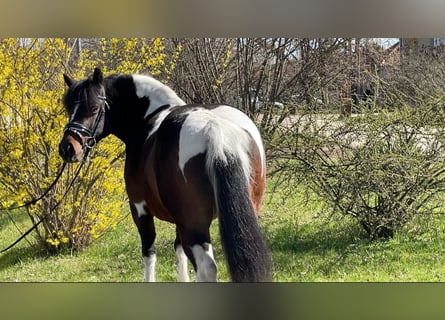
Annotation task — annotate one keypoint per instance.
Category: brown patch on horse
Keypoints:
(257, 183)
(189, 196)
(142, 184)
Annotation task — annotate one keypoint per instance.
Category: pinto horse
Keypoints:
(185, 164)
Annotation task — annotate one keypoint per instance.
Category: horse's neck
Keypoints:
(133, 129)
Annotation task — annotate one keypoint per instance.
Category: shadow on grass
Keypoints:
(24, 250)
(315, 239)
(316, 250)
(18, 255)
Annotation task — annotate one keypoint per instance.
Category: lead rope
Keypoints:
(34, 200)
(46, 215)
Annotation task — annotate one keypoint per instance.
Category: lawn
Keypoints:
(307, 246)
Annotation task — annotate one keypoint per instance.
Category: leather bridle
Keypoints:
(87, 136)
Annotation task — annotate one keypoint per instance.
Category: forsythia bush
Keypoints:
(32, 119)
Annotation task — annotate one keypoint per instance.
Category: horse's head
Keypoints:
(86, 103)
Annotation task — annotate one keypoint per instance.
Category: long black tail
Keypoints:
(247, 254)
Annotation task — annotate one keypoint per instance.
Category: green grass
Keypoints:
(306, 246)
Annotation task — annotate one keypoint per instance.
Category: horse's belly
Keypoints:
(158, 210)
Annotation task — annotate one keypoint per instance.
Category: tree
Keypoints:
(268, 78)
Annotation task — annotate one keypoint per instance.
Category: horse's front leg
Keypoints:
(145, 224)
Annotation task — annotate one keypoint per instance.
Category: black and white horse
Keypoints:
(186, 164)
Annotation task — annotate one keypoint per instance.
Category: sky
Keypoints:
(386, 42)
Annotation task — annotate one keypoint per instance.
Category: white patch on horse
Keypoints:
(140, 208)
(183, 275)
(242, 120)
(76, 108)
(205, 263)
(158, 93)
(220, 133)
(150, 267)
(192, 138)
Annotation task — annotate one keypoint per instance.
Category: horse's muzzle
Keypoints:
(70, 150)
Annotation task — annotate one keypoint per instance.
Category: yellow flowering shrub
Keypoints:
(32, 119)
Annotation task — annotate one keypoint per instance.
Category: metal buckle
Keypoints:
(90, 142)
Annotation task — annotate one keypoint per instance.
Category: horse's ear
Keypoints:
(69, 82)
(98, 77)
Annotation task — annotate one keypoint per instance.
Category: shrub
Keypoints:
(381, 168)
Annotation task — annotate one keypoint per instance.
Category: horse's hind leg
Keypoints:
(182, 260)
(205, 263)
(198, 249)
(145, 224)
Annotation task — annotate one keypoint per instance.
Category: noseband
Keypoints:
(81, 131)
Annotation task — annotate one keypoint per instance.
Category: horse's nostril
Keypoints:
(69, 149)
(66, 150)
